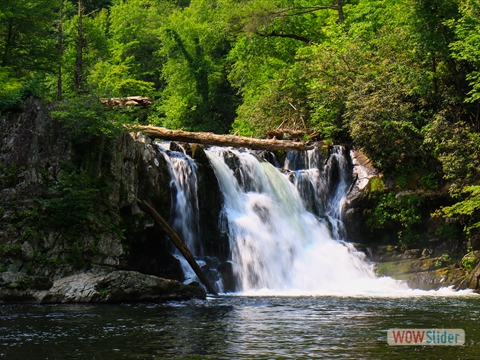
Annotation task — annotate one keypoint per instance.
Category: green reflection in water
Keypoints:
(236, 327)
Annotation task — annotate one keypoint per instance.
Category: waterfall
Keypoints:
(284, 226)
(183, 186)
(322, 185)
(184, 201)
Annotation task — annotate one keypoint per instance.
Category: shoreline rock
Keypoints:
(94, 287)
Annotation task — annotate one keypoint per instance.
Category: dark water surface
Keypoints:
(237, 327)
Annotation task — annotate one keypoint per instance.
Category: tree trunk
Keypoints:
(224, 140)
(8, 44)
(79, 58)
(341, 19)
(178, 242)
(60, 53)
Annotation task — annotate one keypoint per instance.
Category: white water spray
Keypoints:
(277, 245)
(184, 211)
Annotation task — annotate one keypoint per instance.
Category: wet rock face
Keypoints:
(357, 197)
(210, 203)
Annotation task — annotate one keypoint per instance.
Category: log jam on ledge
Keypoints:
(225, 140)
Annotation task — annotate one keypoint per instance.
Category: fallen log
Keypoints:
(178, 242)
(224, 140)
(128, 101)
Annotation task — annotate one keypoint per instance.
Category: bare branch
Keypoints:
(300, 10)
(93, 12)
(290, 36)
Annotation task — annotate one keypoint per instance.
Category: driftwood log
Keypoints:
(224, 140)
(128, 101)
(178, 242)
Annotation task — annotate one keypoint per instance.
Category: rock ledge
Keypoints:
(95, 287)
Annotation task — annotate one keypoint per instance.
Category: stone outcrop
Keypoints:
(421, 270)
(357, 196)
(94, 287)
(19, 287)
(34, 152)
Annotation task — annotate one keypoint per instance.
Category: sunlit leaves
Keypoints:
(457, 147)
(197, 95)
(466, 210)
(467, 48)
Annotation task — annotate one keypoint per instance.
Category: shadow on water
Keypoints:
(238, 327)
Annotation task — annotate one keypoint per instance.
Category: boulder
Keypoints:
(119, 286)
(94, 287)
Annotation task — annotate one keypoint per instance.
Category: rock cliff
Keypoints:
(66, 209)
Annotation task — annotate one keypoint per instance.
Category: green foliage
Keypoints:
(268, 65)
(243, 128)
(27, 50)
(15, 90)
(457, 147)
(72, 202)
(131, 64)
(402, 181)
(467, 47)
(408, 238)
(376, 185)
(430, 181)
(391, 210)
(397, 78)
(197, 95)
(27, 42)
(9, 175)
(10, 93)
(448, 231)
(467, 210)
(402, 213)
(469, 260)
(84, 117)
(444, 261)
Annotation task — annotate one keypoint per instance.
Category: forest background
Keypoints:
(399, 79)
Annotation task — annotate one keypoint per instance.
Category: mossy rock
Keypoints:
(436, 279)
(395, 268)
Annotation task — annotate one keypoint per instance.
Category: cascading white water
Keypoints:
(184, 210)
(284, 225)
(183, 186)
(276, 243)
(322, 186)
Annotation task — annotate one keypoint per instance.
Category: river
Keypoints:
(239, 327)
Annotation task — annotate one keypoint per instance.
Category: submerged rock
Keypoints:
(95, 287)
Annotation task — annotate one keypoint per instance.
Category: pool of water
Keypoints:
(238, 327)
